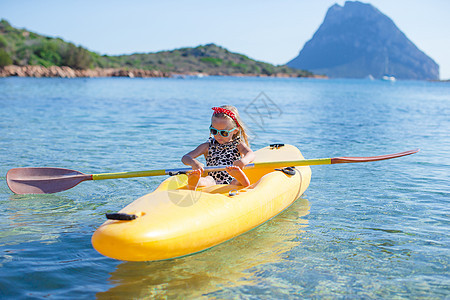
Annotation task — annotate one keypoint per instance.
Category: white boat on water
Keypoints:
(387, 69)
(388, 78)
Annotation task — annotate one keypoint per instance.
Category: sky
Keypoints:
(269, 31)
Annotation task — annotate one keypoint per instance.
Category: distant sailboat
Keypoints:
(387, 77)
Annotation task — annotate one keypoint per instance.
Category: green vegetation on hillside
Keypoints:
(22, 47)
(209, 59)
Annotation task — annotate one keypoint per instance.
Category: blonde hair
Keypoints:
(240, 124)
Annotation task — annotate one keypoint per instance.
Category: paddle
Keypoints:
(53, 180)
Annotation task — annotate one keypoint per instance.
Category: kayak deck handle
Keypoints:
(120, 216)
(287, 170)
(276, 146)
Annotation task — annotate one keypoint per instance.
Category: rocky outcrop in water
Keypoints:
(357, 41)
(67, 72)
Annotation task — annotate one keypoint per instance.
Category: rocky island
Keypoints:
(358, 41)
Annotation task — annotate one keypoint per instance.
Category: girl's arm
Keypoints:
(247, 155)
(239, 176)
(236, 170)
(189, 159)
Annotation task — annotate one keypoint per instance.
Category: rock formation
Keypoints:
(357, 41)
(67, 72)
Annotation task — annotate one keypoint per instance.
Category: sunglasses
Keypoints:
(224, 133)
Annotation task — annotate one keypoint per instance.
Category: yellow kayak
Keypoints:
(173, 221)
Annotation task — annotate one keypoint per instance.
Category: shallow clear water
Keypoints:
(372, 230)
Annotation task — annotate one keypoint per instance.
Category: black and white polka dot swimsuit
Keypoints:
(222, 154)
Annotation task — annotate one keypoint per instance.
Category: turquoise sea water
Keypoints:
(372, 230)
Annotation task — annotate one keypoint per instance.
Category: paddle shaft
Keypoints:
(279, 164)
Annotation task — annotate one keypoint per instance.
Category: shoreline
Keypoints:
(67, 72)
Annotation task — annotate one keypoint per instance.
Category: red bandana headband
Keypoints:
(218, 110)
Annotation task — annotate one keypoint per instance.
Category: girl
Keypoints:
(228, 146)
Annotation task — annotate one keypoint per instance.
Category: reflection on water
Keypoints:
(227, 265)
(29, 218)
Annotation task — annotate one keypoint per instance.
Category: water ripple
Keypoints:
(375, 230)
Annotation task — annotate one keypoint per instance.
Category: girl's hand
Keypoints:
(239, 175)
(189, 158)
(239, 163)
(195, 173)
(196, 165)
(233, 170)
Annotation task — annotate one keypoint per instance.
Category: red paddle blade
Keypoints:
(343, 160)
(43, 180)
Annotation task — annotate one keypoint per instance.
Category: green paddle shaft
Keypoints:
(280, 164)
(128, 174)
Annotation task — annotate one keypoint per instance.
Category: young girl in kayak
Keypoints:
(227, 146)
